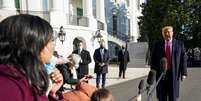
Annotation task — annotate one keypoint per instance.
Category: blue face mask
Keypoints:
(49, 67)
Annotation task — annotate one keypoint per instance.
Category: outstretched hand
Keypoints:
(57, 79)
(86, 78)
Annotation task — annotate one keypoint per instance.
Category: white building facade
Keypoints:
(126, 13)
(80, 19)
(122, 24)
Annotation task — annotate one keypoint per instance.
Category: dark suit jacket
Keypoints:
(178, 64)
(123, 58)
(67, 75)
(97, 60)
(83, 68)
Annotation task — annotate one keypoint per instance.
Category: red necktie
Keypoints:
(168, 54)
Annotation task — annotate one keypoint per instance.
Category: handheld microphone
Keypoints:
(141, 87)
(141, 90)
(163, 64)
(163, 67)
(150, 79)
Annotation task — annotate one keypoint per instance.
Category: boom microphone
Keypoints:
(163, 67)
(141, 86)
(141, 90)
(163, 64)
(151, 77)
(150, 81)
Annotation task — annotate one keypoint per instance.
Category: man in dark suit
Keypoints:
(123, 59)
(83, 68)
(176, 69)
(101, 58)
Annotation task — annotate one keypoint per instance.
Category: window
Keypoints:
(79, 12)
(114, 25)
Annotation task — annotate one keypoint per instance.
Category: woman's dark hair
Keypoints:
(102, 95)
(22, 38)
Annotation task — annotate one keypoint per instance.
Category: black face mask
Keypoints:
(101, 47)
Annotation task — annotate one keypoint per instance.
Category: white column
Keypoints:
(34, 5)
(66, 6)
(100, 9)
(133, 20)
(87, 8)
(88, 12)
(100, 12)
(57, 5)
(24, 5)
(100, 15)
(66, 10)
(8, 4)
(57, 14)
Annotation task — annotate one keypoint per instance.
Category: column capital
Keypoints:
(88, 12)
(57, 13)
(88, 8)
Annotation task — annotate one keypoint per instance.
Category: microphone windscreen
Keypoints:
(141, 85)
(151, 77)
(163, 64)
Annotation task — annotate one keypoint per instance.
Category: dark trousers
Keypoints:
(98, 75)
(167, 93)
(122, 70)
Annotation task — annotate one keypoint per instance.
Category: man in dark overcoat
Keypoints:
(83, 68)
(174, 52)
(101, 59)
(123, 59)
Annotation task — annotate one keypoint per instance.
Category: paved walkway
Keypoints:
(112, 76)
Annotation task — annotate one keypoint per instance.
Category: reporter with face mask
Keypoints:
(26, 43)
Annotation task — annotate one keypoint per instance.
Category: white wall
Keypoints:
(72, 32)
